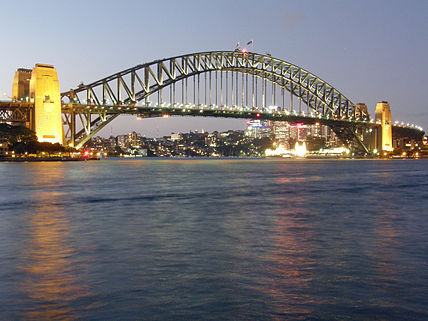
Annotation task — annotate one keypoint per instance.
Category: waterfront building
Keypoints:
(315, 130)
(121, 140)
(299, 131)
(281, 131)
(175, 137)
(257, 128)
(134, 139)
(211, 140)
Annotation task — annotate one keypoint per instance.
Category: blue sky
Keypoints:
(369, 50)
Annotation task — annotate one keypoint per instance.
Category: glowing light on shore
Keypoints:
(279, 151)
(300, 150)
(334, 151)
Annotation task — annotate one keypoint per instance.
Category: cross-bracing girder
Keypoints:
(15, 111)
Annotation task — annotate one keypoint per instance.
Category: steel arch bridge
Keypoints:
(219, 84)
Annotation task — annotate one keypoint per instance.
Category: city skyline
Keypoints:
(370, 50)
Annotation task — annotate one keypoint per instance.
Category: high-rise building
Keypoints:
(298, 131)
(258, 128)
(315, 130)
(122, 140)
(134, 139)
(281, 131)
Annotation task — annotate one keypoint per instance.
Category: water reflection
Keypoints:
(387, 232)
(291, 261)
(224, 241)
(384, 253)
(48, 281)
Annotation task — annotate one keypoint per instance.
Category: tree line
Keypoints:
(22, 140)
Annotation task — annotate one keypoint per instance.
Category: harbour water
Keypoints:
(214, 240)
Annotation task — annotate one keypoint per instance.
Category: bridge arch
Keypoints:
(124, 91)
(147, 79)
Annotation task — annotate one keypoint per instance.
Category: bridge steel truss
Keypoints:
(221, 83)
(16, 112)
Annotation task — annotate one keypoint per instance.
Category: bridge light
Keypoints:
(258, 115)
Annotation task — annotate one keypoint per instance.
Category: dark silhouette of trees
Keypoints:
(22, 140)
(314, 143)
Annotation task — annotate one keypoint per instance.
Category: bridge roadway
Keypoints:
(338, 125)
(18, 111)
(154, 110)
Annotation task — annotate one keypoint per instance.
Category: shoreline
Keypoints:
(74, 159)
(45, 159)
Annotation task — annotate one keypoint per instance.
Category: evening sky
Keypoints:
(370, 50)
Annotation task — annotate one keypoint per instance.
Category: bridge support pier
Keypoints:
(21, 92)
(383, 137)
(40, 86)
(73, 129)
(353, 136)
(44, 92)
